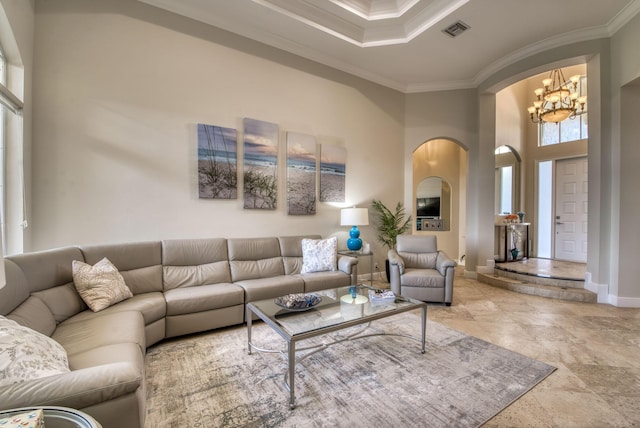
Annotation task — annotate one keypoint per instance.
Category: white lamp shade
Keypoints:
(354, 217)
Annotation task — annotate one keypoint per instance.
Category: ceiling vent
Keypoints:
(456, 29)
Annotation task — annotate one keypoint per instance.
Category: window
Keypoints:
(569, 129)
(12, 197)
(3, 121)
(545, 209)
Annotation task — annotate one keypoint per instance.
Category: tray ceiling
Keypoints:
(401, 43)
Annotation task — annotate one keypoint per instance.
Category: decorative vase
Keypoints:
(514, 254)
(354, 243)
(521, 216)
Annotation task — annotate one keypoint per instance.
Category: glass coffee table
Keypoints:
(338, 309)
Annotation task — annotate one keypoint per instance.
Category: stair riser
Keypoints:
(549, 291)
(564, 283)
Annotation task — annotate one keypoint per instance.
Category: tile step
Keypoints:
(542, 280)
(543, 290)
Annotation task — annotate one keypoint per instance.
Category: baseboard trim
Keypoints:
(602, 290)
(624, 302)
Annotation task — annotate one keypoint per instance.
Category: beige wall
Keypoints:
(625, 270)
(448, 115)
(121, 87)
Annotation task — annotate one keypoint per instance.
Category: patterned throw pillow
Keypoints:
(26, 354)
(319, 255)
(100, 285)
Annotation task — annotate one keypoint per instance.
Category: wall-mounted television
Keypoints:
(428, 207)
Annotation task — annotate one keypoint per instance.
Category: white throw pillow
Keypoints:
(26, 354)
(319, 255)
(100, 285)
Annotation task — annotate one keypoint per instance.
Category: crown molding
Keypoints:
(623, 17)
(361, 32)
(291, 46)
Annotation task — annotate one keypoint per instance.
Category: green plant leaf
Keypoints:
(390, 224)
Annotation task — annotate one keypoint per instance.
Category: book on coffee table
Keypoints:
(381, 296)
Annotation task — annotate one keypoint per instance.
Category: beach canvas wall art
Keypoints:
(301, 174)
(217, 162)
(333, 160)
(260, 164)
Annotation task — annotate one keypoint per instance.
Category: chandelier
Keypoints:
(558, 100)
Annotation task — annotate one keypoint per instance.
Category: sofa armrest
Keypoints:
(349, 265)
(443, 261)
(76, 389)
(396, 269)
(446, 266)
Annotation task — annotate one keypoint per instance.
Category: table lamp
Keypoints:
(354, 217)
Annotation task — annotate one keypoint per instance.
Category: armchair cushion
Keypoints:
(422, 278)
(419, 260)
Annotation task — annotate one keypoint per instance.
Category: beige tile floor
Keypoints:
(595, 347)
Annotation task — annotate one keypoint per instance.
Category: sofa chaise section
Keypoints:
(105, 352)
(140, 264)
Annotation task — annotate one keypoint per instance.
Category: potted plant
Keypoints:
(389, 225)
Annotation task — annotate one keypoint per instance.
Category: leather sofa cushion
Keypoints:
(322, 280)
(266, 288)
(143, 280)
(33, 313)
(15, 291)
(108, 354)
(190, 300)
(140, 263)
(63, 301)
(291, 251)
(191, 252)
(102, 329)
(46, 269)
(190, 276)
(254, 258)
(152, 306)
(256, 269)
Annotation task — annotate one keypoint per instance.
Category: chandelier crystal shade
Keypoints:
(558, 100)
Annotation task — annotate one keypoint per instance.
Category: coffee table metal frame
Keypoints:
(289, 353)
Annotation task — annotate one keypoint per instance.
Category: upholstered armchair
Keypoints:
(418, 270)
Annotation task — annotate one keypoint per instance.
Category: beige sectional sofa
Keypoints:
(179, 287)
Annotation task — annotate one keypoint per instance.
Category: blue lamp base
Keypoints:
(354, 243)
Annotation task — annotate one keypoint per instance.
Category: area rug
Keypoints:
(209, 380)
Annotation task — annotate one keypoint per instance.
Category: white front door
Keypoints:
(571, 210)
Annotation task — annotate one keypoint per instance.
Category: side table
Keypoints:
(357, 255)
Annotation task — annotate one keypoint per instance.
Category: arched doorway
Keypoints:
(440, 179)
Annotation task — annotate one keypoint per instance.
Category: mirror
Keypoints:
(507, 180)
(433, 204)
